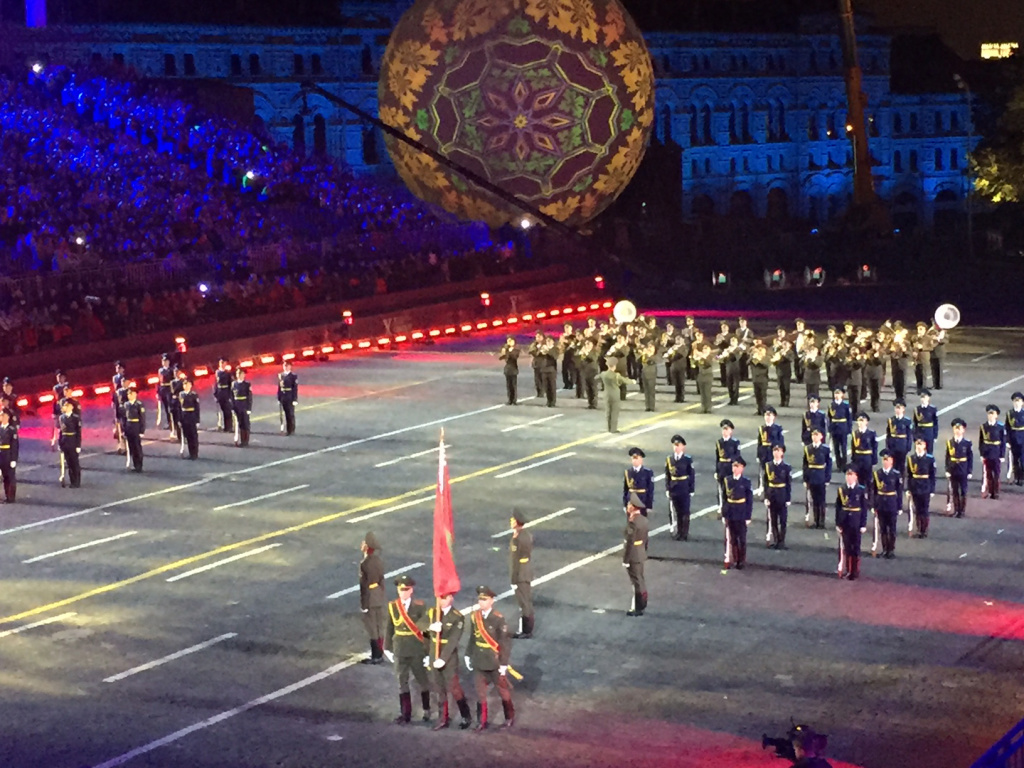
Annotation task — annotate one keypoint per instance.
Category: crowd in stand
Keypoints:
(97, 171)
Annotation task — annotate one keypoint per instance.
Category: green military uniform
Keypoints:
(589, 371)
(611, 381)
(634, 555)
(487, 655)
(444, 661)
(705, 376)
(372, 598)
(520, 567)
(406, 644)
(649, 379)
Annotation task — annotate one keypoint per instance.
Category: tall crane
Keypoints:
(864, 197)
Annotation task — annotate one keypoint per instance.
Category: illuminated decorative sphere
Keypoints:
(551, 100)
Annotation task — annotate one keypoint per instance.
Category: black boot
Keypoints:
(443, 721)
(643, 602)
(525, 628)
(510, 713)
(467, 717)
(425, 700)
(405, 702)
(376, 657)
(481, 716)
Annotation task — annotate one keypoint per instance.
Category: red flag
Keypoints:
(446, 578)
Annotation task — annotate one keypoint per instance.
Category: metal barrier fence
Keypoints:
(1008, 752)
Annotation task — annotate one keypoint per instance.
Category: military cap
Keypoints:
(484, 591)
(900, 401)
(1017, 396)
(992, 409)
(771, 410)
(726, 423)
(780, 446)
(519, 516)
(847, 322)
(634, 501)
(885, 453)
(405, 580)
(221, 360)
(165, 356)
(851, 470)
(921, 439)
(634, 451)
(864, 416)
(818, 430)
(813, 398)
(7, 380)
(371, 541)
(678, 439)
(740, 460)
(922, 324)
(830, 328)
(958, 422)
(924, 393)
(58, 372)
(119, 364)
(839, 389)
(898, 325)
(800, 320)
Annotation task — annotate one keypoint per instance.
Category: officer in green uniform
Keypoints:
(634, 554)
(445, 632)
(487, 655)
(701, 358)
(520, 567)
(611, 381)
(405, 645)
(372, 598)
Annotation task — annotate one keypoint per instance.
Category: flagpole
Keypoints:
(437, 597)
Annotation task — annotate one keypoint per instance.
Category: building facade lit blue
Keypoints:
(759, 118)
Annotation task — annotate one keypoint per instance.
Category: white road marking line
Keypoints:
(260, 498)
(659, 478)
(988, 391)
(39, 623)
(389, 575)
(410, 456)
(227, 715)
(219, 563)
(177, 655)
(379, 512)
(630, 435)
(79, 546)
(740, 399)
(258, 468)
(516, 471)
(986, 357)
(532, 423)
(539, 520)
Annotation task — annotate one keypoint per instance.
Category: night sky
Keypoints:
(963, 24)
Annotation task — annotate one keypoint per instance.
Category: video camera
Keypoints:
(798, 732)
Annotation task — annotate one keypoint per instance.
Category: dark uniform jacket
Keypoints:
(817, 465)
(406, 640)
(921, 474)
(134, 417)
(899, 437)
(739, 499)
(812, 420)
(287, 387)
(70, 431)
(520, 554)
(641, 482)
(635, 538)
(778, 481)
(189, 402)
(852, 507)
(992, 441)
(679, 479)
(452, 625)
(1015, 427)
(8, 443)
(222, 385)
(725, 452)
(888, 490)
(511, 358)
(864, 446)
(371, 582)
(766, 438)
(241, 393)
(839, 418)
(481, 655)
(926, 423)
(959, 457)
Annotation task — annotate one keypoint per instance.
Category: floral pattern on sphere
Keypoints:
(551, 100)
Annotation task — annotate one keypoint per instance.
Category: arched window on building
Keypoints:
(694, 126)
(939, 126)
(319, 136)
(897, 123)
(371, 156)
(830, 125)
(707, 166)
(733, 136)
(897, 161)
(170, 65)
(745, 123)
(938, 160)
(666, 124)
(913, 122)
(707, 135)
(954, 121)
(833, 63)
(694, 168)
(367, 60)
(812, 126)
(254, 64)
(190, 65)
(913, 161)
(236, 65)
(299, 135)
(299, 64)
(954, 159)
(732, 166)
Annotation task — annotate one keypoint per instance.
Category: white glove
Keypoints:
(931, 495)
(469, 664)
(502, 670)
(426, 662)
(514, 587)
(668, 495)
(438, 663)
(749, 522)
(947, 474)
(625, 565)
(78, 450)
(295, 402)
(435, 627)
(389, 656)
(14, 464)
(365, 610)
(863, 530)
(787, 503)
(969, 477)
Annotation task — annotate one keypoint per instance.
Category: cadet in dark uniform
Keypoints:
(888, 505)
(372, 597)
(177, 387)
(727, 449)
(287, 397)
(534, 352)
(488, 652)
(992, 447)
(817, 475)
(163, 393)
(445, 632)
(864, 444)
(1015, 437)
(69, 439)
(926, 420)
(520, 572)
(118, 383)
(548, 357)
(739, 508)
(778, 495)
(188, 405)
(222, 394)
(7, 394)
(8, 456)
(840, 417)
(899, 438)
(874, 366)
(61, 390)
(921, 487)
(405, 645)
(959, 468)
(134, 429)
(639, 480)
(813, 419)
(241, 401)
(611, 380)
(851, 522)
(768, 434)
(567, 346)
(679, 489)
(634, 554)
(510, 354)
(121, 399)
